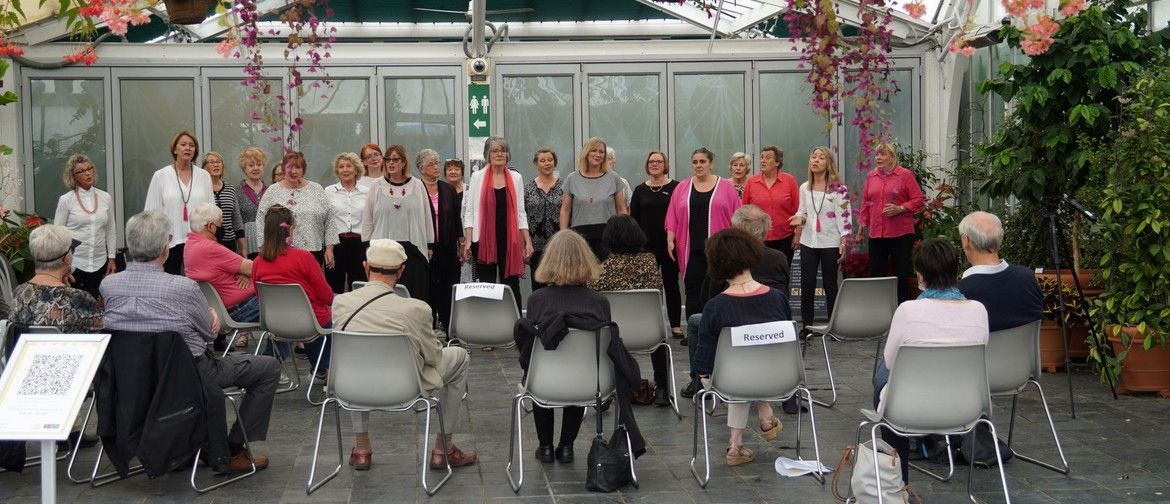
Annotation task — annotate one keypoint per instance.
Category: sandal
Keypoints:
(776, 427)
(243, 339)
(739, 455)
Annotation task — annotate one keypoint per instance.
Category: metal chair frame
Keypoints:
(616, 302)
(457, 307)
(215, 301)
(321, 333)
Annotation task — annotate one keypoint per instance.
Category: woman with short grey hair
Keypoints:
(445, 203)
(87, 212)
(46, 299)
(495, 223)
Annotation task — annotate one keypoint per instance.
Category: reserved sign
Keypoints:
(767, 333)
(479, 290)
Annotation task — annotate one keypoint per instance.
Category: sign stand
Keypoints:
(49, 471)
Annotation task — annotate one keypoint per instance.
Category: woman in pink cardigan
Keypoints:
(700, 207)
(890, 199)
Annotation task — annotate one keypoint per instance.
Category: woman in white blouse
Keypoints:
(348, 198)
(88, 212)
(399, 208)
(822, 223)
(316, 229)
(176, 188)
(495, 224)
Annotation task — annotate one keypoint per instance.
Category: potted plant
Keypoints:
(1051, 346)
(1135, 304)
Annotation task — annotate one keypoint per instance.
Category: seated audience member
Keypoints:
(46, 299)
(144, 298)
(568, 266)
(1009, 293)
(940, 316)
(629, 266)
(732, 253)
(205, 259)
(280, 262)
(375, 308)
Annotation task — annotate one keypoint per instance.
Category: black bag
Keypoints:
(982, 452)
(609, 462)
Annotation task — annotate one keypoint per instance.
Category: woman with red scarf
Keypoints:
(495, 224)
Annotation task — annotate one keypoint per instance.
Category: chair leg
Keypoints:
(950, 463)
(673, 388)
(1063, 468)
(630, 451)
(73, 454)
(999, 458)
(316, 368)
(829, 370)
(427, 453)
(874, 446)
(812, 422)
(310, 486)
(260, 344)
(700, 416)
(230, 342)
(96, 480)
(515, 443)
(247, 450)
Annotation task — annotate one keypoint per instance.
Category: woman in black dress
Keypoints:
(648, 206)
(445, 212)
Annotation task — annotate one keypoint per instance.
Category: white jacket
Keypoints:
(471, 204)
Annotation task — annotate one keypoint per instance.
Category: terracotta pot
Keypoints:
(1077, 347)
(186, 12)
(1142, 370)
(1052, 350)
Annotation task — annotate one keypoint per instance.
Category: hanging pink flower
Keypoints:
(916, 9)
(1016, 8)
(1045, 27)
(1069, 8)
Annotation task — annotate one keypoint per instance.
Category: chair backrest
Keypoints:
(570, 375)
(7, 280)
(481, 321)
(864, 308)
(758, 372)
(399, 289)
(285, 312)
(937, 388)
(1013, 357)
(43, 329)
(641, 317)
(215, 302)
(372, 371)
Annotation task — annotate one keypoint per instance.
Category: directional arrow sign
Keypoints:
(478, 110)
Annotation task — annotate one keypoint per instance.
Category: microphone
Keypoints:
(1083, 211)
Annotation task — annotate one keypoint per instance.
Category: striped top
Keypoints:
(225, 199)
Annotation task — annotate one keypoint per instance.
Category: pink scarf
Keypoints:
(514, 263)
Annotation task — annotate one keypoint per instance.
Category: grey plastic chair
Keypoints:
(7, 280)
(225, 319)
(770, 373)
(936, 390)
(375, 372)
(863, 311)
(399, 289)
(286, 315)
(641, 317)
(571, 375)
(479, 322)
(1013, 363)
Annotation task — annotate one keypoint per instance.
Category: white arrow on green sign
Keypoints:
(478, 110)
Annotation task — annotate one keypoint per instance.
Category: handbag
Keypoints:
(863, 481)
(609, 461)
(644, 396)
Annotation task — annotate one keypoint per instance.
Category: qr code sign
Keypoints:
(50, 375)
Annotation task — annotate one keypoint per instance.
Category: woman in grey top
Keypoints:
(252, 162)
(398, 208)
(592, 194)
(316, 229)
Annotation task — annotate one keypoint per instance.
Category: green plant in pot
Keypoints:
(1076, 323)
(1135, 303)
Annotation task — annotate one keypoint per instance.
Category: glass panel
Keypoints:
(233, 129)
(336, 119)
(623, 109)
(538, 113)
(708, 112)
(68, 117)
(420, 114)
(901, 115)
(147, 133)
(787, 121)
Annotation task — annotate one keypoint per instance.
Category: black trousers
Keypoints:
(784, 245)
(444, 273)
(534, 263)
(669, 269)
(348, 256)
(693, 282)
(174, 264)
(89, 282)
(494, 273)
(571, 418)
(810, 259)
(882, 251)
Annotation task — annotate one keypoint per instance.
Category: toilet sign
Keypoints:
(479, 108)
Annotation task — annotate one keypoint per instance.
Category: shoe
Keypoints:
(793, 406)
(360, 459)
(739, 455)
(284, 379)
(677, 335)
(691, 389)
(243, 339)
(773, 431)
(455, 457)
(565, 454)
(684, 342)
(544, 453)
(322, 375)
(661, 396)
(239, 463)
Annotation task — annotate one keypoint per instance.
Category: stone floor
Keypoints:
(1114, 459)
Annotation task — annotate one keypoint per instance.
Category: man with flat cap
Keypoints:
(442, 370)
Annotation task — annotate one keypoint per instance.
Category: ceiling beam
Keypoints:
(653, 29)
(768, 9)
(693, 15)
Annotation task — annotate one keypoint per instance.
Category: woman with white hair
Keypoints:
(740, 168)
(348, 199)
(46, 299)
(88, 212)
(592, 194)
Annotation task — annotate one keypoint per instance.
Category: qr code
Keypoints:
(50, 375)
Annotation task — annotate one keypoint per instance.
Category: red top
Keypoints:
(779, 201)
(208, 261)
(299, 267)
(898, 187)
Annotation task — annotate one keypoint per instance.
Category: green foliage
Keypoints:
(1136, 218)
(1063, 95)
(943, 210)
(5, 99)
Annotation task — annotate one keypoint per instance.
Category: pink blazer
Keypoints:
(724, 202)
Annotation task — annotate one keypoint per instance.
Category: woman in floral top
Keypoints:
(542, 201)
(630, 267)
(46, 300)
